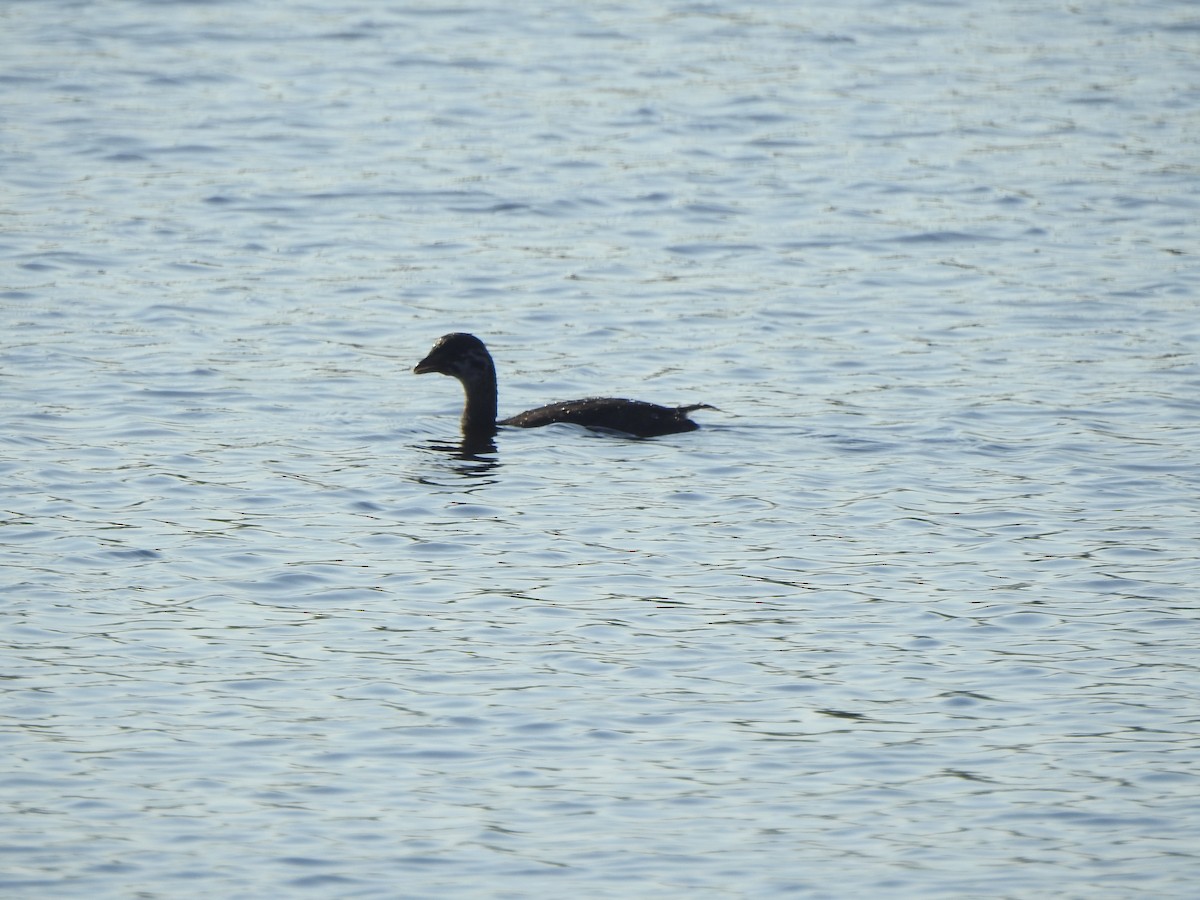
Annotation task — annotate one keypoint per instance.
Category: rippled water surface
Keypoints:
(913, 615)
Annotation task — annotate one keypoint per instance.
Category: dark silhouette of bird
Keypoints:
(463, 356)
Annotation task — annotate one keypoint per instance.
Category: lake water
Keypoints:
(914, 614)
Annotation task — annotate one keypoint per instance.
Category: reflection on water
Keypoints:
(477, 455)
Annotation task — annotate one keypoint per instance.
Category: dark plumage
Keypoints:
(464, 357)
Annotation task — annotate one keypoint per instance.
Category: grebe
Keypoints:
(464, 357)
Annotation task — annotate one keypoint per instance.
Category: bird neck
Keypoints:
(479, 412)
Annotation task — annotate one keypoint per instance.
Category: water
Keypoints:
(913, 615)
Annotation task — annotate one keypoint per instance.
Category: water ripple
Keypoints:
(928, 573)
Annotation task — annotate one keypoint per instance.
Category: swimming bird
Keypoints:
(464, 357)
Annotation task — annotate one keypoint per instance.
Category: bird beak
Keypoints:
(424, 367)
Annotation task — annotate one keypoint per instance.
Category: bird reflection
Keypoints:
(473, 456)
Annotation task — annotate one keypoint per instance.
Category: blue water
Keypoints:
(913, 615)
